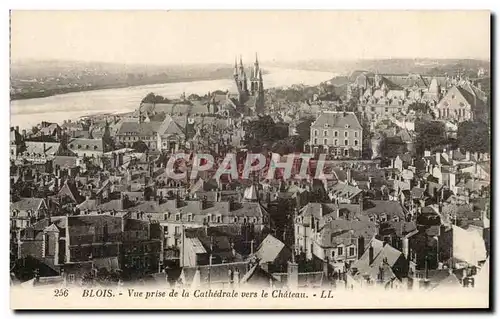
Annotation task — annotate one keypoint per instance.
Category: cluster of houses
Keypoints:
(92, 200)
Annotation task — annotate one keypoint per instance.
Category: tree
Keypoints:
(430, 135)
(288, 145)
(263, 131)
(419, 107)
(304, 127)
(474, 136)
(140, 146)
(153, 98)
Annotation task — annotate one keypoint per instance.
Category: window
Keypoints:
(335, 142)
(95, 147)
(346, 152)
(355, 134)
(177, 230)
(315, 141)
(87, 147)
(219, 219)
(71, 278)
(325, 141)
(333, 253)
(325, 133)
(355, 142)
(190, 217)
(346, 134)
(335, 133)
(346, 142)
(386, 109)
(177, 217)
(373, 109)
(315, 132)
(79, 146)
(341, 251)
(352, 251)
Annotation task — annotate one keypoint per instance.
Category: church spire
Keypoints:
(235, 66)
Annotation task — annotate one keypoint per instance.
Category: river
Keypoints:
(27, 113)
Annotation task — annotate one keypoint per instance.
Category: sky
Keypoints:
(171, 37)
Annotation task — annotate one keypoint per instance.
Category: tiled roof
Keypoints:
(65, 161)
(337, 120)
(269, 249)
(37, 148)
(218, 273)
(383, 255)
(83, 144)
(139, 129)
(169, 126)
(345, 232)
(25, 204)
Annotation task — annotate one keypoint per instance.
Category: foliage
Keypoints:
(263, 131)
(304, 127)
(140, 146)
(430, 135)
(288, 145)
(153, 98)
(474, 136)
(419, 107)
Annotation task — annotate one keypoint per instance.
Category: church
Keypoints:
(250, 90)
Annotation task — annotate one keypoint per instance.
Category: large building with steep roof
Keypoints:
(337, 133)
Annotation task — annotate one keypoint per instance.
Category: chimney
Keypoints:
(293, 275)
(325, 267)
(348, 176)
(204, 203)
(370, 254)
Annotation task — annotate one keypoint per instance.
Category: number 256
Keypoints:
(61, 293)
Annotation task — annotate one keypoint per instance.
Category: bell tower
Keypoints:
(255, 77)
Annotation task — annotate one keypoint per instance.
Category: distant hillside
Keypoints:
(423, 66)
(33, 79)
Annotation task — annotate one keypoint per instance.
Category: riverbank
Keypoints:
(29, 112)
(59, 91)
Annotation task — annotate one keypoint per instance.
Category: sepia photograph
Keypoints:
(314, 159)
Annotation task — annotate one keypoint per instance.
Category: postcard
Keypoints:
(250, 159)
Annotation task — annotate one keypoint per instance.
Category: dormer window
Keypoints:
(190, 217)
(347, 126)
(327, 125)
(219, 219)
